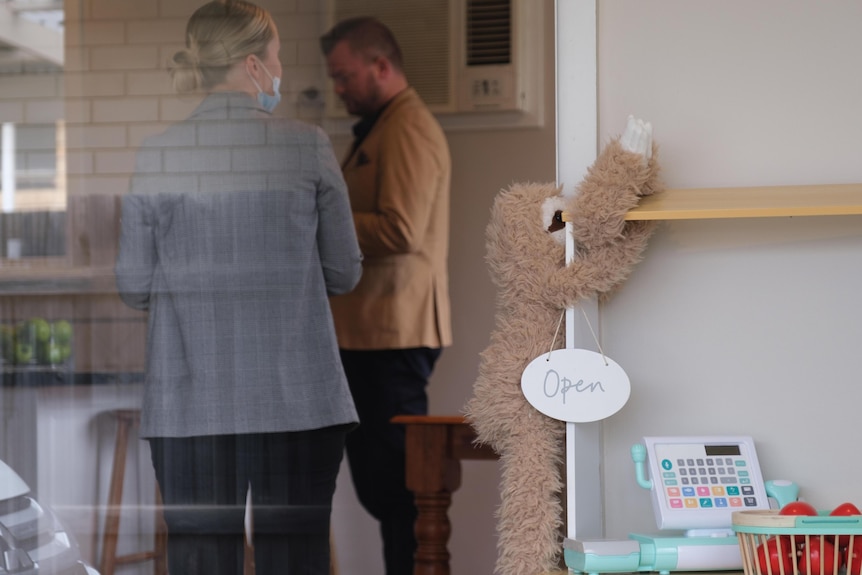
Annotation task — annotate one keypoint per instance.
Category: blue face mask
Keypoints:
(267, 101)
(270, 101)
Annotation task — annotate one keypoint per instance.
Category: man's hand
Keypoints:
(637, 138)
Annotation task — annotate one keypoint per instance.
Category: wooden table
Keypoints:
(435, 447)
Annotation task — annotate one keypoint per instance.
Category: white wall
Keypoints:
(740, 326)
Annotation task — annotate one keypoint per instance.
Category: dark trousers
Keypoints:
(386, 383)
(204, 481)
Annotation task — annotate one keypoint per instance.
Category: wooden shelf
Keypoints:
(751, 202)
(34, 277)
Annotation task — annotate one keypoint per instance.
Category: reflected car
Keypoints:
(33, 541)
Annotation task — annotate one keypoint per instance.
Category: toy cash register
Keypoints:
(696, 484)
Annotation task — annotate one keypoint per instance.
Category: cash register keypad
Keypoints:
(708, 482)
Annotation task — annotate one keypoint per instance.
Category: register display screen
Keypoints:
(722, 450)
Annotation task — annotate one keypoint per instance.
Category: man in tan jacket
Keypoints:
(392, 327)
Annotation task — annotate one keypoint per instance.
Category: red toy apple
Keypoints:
(776, 557)
(798, 508)
(822, 555)
(843, 510)
(846, 509)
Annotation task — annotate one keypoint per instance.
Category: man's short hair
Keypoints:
(367, 36)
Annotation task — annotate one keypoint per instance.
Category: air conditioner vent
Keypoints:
(489, 32)
(465, 58)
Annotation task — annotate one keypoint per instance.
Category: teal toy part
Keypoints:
(773, 523)
(601, 556)
(647, 553)
(782, 490)
(688, 553)
(656, 556)
(639, 457)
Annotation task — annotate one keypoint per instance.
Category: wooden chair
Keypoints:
(128, 420)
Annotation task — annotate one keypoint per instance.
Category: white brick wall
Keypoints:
(123, 10)
(89, 136)
(181, 9)
(125, 110)
(46, 111)
(12, 111)
(79, 163)
(28, 87)
(77, 111)
(148, 83)
(91, 33)
(162, 31)
(124, 57)
(114, 89)
(117, 87)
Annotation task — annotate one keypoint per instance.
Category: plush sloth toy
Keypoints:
(526, 255)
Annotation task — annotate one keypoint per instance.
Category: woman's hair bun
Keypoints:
(185, 71)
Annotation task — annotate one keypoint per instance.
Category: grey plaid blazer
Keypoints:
(236, 229)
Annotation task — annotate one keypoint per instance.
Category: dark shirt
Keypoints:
(363, 127)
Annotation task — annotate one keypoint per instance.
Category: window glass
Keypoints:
(83, 83)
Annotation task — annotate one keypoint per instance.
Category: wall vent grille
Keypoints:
(489, 32)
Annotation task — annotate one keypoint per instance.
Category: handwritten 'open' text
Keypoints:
(554, 384)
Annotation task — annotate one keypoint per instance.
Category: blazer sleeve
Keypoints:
(409, 175)
(339, 251)
(137, 259)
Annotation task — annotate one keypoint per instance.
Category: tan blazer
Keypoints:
(398, 180)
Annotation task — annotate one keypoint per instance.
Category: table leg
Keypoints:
(432, 534)
(432, 475)
(435, 447)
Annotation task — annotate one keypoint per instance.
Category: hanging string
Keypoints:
(590, 325)
(554, 341)
(595, 339)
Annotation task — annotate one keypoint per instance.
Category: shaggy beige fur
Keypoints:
(528, 267)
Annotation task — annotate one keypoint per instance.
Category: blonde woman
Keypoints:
(236, 229)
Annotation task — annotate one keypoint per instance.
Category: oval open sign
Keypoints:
(575, 385)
